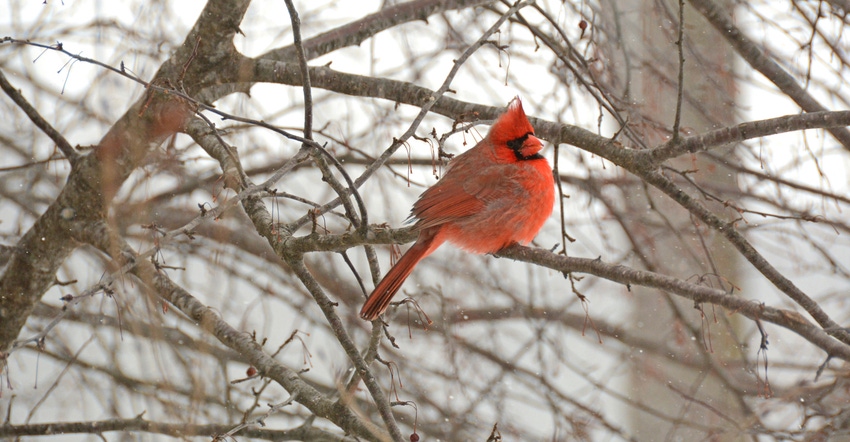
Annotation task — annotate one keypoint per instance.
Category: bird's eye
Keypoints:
(516, 144)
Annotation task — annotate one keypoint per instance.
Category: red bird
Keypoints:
(496, 194)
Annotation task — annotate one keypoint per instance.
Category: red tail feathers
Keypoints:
(379, 300)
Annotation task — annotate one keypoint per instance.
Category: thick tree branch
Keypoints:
(97, 177)
(697, 293)
(181, 430)
(748, 131)
(414, 95)
(616, 273)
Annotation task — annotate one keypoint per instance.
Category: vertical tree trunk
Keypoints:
(670, 240)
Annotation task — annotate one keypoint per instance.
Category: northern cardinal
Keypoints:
(496, 194)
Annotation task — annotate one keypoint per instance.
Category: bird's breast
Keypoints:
(514, 210)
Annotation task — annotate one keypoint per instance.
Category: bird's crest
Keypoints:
(511, 125)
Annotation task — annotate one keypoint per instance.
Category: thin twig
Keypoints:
(305, 72)
(38, 120)
(680, 44)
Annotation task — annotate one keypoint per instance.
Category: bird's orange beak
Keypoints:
(531, 146)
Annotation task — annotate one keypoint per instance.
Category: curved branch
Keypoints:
(697, 293)
(180, 430)
(748, 131)
(403, 92)
(358, 31)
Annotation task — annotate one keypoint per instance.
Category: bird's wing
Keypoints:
(451, 199)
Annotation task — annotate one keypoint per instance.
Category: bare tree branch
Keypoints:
(38, 120)
(756, 57)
